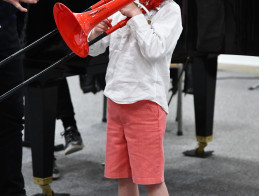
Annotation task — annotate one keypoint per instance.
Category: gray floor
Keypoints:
(232, 170)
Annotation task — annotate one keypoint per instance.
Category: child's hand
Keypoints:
(99, 29)
(131, 10)
(17, 4)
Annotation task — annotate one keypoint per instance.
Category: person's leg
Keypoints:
(157, 189)
(55, 171)
(127, 187)
(73, 140)
(117, 164)
(135, 147)
(144, 131)
(65, 110)
(11, 114)
(145, 124)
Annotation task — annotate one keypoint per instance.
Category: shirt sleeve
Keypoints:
(160, 38)
(99, 47)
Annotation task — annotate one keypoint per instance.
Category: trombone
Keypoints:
(74, 29)
(45, 37)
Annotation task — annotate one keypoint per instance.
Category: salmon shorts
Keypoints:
(134, 147)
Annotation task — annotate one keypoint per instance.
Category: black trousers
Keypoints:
(65, 106)
(65, 109)
(11, 116)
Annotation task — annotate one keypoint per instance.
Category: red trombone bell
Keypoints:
(75, 27)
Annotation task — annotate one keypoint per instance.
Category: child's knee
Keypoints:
(151, 187)
(125, 181)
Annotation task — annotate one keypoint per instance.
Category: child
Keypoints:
(137, 82)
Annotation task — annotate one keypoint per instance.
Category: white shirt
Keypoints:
(140, 55)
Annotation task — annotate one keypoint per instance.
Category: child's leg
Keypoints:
(157, 189)
(127, 187)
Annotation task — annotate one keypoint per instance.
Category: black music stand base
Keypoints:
(179, 133)
(193, 153)
(199, 151)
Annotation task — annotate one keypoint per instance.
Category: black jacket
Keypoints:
(7, 13)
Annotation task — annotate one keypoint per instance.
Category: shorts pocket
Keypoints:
(154, 108)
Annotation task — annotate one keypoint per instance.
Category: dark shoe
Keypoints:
(55, 173)
(73, 140)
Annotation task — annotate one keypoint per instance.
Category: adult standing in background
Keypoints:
(11, 109)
